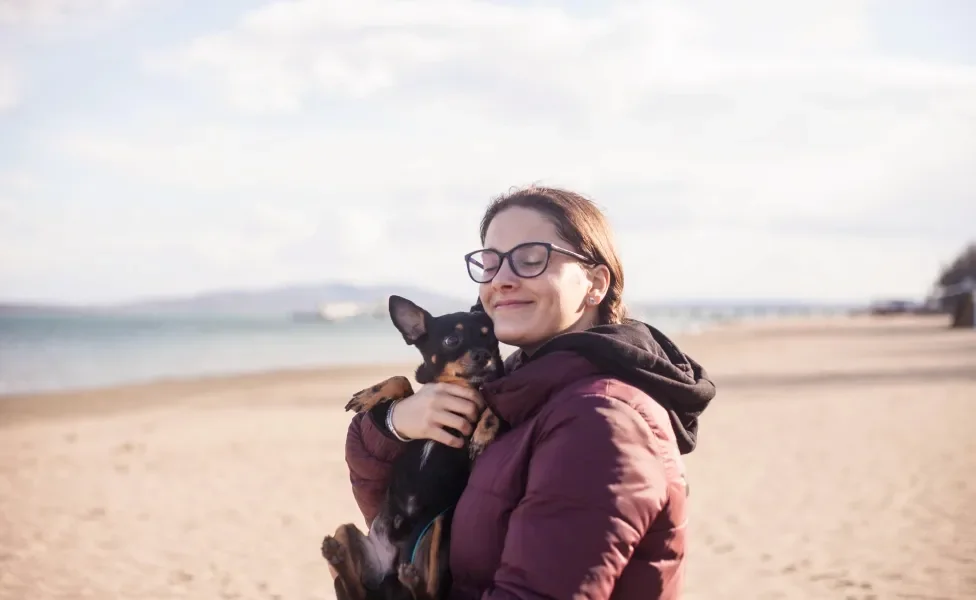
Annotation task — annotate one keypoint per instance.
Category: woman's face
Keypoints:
(528, 312)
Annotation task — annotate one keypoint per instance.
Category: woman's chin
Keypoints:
(510, 332)
(515, 334)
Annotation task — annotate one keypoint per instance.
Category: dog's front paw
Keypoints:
(332, 550)
(363, 400)
(409, 576)
(392, 389)
(474, 450)
(483, 434)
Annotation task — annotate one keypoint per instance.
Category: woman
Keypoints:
(584, 496)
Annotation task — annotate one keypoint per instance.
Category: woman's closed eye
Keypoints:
(531, 264)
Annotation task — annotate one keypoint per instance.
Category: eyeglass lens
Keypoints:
(526, 261)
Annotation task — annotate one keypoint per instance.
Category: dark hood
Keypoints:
(644, 357)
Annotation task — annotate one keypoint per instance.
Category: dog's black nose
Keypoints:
(481, 356)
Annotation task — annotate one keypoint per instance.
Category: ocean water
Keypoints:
(53, 353)
(70, 352)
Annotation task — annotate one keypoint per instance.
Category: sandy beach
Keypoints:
(838, 461)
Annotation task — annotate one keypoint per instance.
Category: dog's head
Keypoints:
(457, 347)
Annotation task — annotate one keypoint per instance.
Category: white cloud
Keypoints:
(43, 13)
(289, 54)
(17, 182)
(754, 263)
(26, 22)
(725, 129)
(9, 86)
(794, 115)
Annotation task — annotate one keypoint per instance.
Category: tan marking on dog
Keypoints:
(484, 433)
(345, 561)
(410, 578)
(484, 330)
(455, 379)
(453, 372)
(433, 557)
(393, 388)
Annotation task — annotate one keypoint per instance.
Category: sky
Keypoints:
(815, 150)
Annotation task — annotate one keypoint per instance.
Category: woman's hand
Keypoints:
(435, 406)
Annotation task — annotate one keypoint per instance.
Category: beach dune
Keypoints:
(837, 461)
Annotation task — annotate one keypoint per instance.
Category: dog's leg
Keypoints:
(347, 586)
(423, 576)
(484, 433)
(343, 551)
(409, 575)
(393, 388)
(433, 551)
(340, 589)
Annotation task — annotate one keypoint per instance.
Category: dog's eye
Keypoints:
(452, 340)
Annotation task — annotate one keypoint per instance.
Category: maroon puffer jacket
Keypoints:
(585, 496)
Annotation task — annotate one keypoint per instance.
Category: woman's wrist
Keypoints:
(380, 416)
(389, 422)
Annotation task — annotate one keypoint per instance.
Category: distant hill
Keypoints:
(307, 298)
(24, 309)
(284, 300)
(288, 299)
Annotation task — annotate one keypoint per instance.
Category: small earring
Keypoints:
(591, 300)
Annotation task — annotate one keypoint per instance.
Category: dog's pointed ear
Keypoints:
(409, 318)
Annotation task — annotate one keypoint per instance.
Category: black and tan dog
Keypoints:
(405, 554)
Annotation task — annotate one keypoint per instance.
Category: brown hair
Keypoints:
(581, 223)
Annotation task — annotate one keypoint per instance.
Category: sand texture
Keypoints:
(838, 461)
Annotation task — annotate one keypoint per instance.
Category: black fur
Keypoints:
(428, 477)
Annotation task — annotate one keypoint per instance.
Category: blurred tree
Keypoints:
(963, 266)
(960, 303)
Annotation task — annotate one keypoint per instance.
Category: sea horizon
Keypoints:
(44, 353)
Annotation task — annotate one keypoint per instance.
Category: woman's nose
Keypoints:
(505, 276)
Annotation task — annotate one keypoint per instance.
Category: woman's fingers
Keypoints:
(463, 392)
(440, 435)
(462, 406)
(455, 421)
(436, 406)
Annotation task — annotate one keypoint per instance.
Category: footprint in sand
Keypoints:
(181, 576)
(94, 514)
(130, 448)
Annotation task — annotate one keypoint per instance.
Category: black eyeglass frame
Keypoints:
(503, 256)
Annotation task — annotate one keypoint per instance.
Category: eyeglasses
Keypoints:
(527, 260)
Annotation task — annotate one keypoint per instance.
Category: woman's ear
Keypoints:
(599, 281)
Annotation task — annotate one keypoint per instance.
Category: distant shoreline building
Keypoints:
(340, 311)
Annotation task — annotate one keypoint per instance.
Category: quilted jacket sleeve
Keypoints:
(594, 486)
(370, 453)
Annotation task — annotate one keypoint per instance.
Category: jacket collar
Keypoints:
(523, 391)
